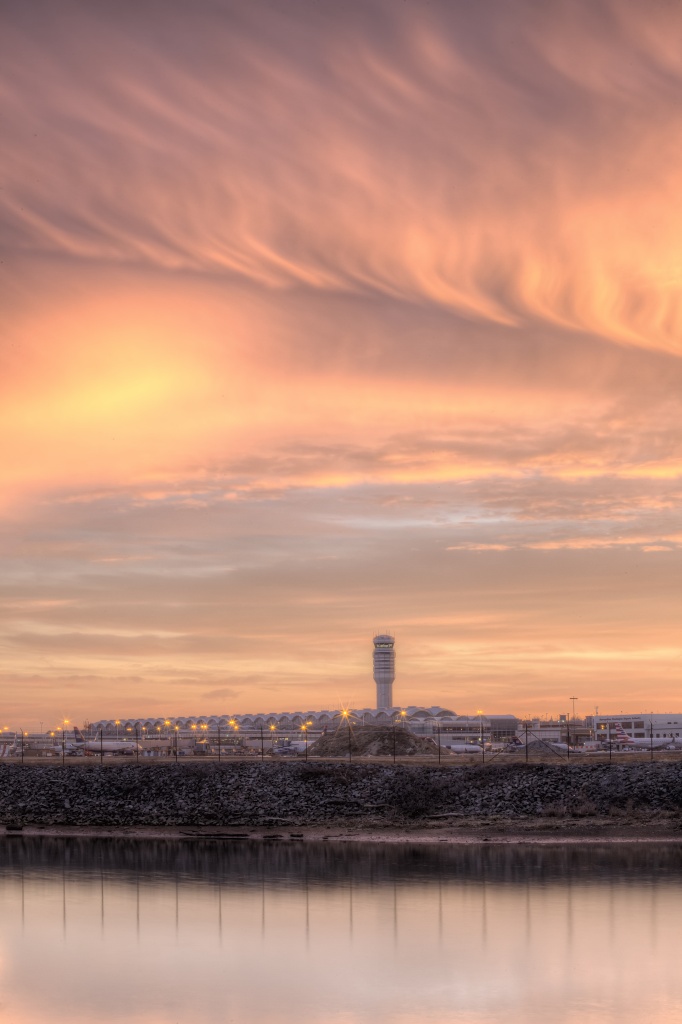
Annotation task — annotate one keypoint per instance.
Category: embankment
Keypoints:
(300, 793)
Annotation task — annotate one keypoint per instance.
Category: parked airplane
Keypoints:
(463, 748)
(622, 739)
(101, 746)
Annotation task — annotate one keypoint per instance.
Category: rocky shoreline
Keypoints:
(363, 796)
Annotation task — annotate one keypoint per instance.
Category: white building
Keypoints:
(640, 726)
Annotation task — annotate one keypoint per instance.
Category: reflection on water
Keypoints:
(163, 932)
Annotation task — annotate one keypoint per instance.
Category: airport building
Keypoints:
(641, 726)
(441, 724)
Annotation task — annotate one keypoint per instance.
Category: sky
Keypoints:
(322, 319)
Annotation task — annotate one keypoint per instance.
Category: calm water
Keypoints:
(166, 932)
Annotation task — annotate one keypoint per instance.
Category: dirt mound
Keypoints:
(372, 741)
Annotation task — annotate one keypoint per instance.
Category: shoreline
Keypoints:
(561, 832)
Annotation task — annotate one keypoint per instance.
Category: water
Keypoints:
(165, 932)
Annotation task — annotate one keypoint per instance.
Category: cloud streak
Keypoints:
(431, 153)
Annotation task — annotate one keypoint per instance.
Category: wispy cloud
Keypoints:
(323, 315)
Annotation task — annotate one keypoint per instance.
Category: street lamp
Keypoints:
(346, 714)
(480, 733)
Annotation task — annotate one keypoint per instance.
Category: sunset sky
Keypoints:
(321, 318)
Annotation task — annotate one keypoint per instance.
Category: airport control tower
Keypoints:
(384, 668)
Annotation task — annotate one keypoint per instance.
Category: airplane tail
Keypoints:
(78, 735)
(621, 735)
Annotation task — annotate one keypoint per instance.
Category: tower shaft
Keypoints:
(383, 663)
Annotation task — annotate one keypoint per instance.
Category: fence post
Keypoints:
(568, 737)
(438, 729)
(526, 725)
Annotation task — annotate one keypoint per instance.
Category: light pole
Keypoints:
(177, 727)
(480, 734)
(273, 728)
(345, 715)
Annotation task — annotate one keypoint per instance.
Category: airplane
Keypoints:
(102, 746)
(622, 739)
(462, 748)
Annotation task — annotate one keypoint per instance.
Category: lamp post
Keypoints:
(273, 728)
(573, 700)
(345, 715)
(22, 746)
(137, 744)
(219, 743)
(176, 743)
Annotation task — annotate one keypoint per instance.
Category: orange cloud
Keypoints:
(298, 300)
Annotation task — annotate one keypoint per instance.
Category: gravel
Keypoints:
(295, 793)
